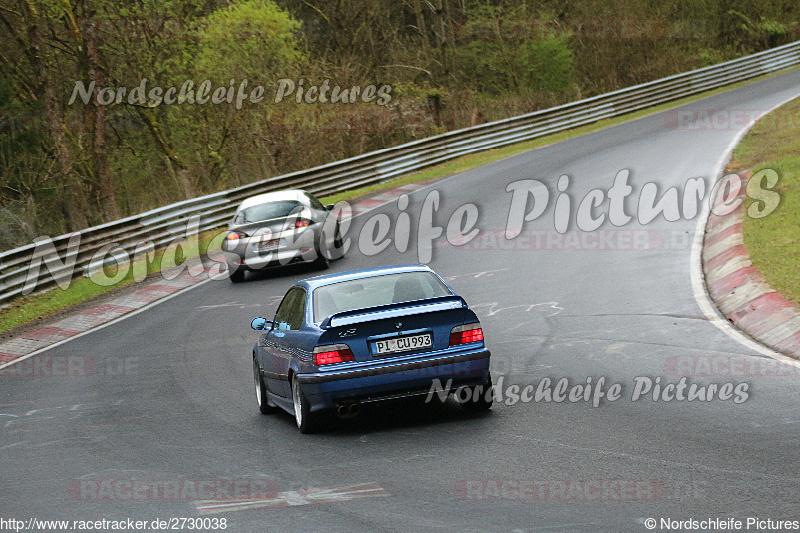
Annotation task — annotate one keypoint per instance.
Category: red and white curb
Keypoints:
(739, 291)
(31, 342)
(83, 321)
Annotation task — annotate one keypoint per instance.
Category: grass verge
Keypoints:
(773, 241)
(36, 306)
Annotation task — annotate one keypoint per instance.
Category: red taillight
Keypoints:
(234, 235)
(466, 333)
(332, 353)
(302, 223)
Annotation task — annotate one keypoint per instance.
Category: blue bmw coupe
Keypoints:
(341, 340)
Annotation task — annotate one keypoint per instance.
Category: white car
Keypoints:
(280, 228)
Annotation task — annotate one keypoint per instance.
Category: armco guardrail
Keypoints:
(160, 226)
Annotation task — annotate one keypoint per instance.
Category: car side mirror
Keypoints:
(260, 323)
(329, 207)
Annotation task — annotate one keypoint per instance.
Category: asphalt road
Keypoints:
(168, 397)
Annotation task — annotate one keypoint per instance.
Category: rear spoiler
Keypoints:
(416, 307)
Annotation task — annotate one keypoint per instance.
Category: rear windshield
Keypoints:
(267, 211)
(375, 291)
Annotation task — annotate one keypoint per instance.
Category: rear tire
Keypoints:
(336, 250)
(484, 401)
(307, 422)
(237, 276)
(338, 242)
(322, 262)
(262, 398)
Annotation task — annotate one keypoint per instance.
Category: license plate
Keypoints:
(265, 246)
(403, 344)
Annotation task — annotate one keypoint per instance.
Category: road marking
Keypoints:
(493, 309)
(697, 279)
(475, 275)
(229, 304)
(292, 498)
(7, 446)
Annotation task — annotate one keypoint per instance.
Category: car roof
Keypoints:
(277, 196)
(328, 279)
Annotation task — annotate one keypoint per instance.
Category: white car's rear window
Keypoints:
(267, 211)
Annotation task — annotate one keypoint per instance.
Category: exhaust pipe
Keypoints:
(347, 410)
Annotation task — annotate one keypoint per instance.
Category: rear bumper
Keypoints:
(299, 248)
(326, 390)
(275, 259)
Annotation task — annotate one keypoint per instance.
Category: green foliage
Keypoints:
(710, 57)
(765, 31)
(254, 39)
(506, 48)
(548, 65)
(497, 66)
